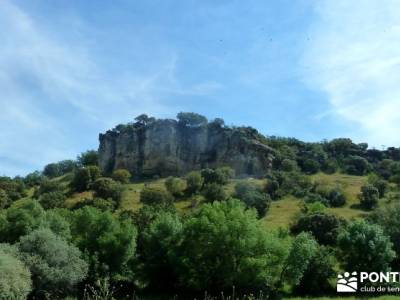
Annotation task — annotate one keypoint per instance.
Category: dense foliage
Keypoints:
(70, 229)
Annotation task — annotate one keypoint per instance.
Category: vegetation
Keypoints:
(71, 230)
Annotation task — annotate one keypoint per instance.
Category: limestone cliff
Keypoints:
(168, 147)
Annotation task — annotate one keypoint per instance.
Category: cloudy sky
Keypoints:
(308, 69)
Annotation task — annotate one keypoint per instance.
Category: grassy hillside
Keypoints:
(281, 213)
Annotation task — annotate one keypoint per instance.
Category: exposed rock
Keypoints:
(168, 147)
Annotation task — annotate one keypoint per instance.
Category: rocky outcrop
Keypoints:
(168, 147)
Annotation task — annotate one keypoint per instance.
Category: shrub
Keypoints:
(194, 182)
(122, 175)
(107, 188)
(48, 186)
(214, 192)
(15, 279)
(310, 166)
(336, 198)
(252, 196)
(356, 165)
(52, 200)
(55, 265)
(5, 201)
(219, 176)
(175, 186)
(324, 227)
(369, 196)
(289, 165)
(83, 177)
(21, 219)
(155, 196)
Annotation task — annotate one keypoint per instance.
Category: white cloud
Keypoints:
(45, 83)
(353, 55)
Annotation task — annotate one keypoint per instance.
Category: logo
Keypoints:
(347, 283)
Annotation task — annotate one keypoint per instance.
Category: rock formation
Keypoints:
(169, 147)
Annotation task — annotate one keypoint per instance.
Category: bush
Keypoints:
(20, 220)
(15, 279)
(5, 201)
(107, 188)
(356, 165)
(55, 265)
(175, 186)
(336, 198)
(252, 196)
(155, 196)
(289, 165)
(194, 182)
(324, 227)
(220, 176)
(99, 203)
(310, 166)
(83, 177)
(365, 247)
(48, 186)
(52, 200)
(369, 196)
(121, 175)
(214, 192)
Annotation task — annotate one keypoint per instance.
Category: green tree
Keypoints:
(107, 188)
(55, 265)
(302, 251)
(175, 186)
(356, 165)
(214, 192)
(320, 270)
(15, 279)
(21, 219)
(155, 196)
(388, 218)
(159, 250)
(194, 182)
(83, 177)
(364, 247)
(224, 245)
(108, 242)
(52, 200)
(324, 227)
(5, 201)
(191, 119)
(253, 197)
(88, 158)
(121, 175)
(220, 176)
(369, 196)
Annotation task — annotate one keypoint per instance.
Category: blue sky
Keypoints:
(308, 69)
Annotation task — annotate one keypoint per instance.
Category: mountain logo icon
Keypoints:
(347, 283)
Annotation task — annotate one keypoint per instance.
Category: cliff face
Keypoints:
(167, 147)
